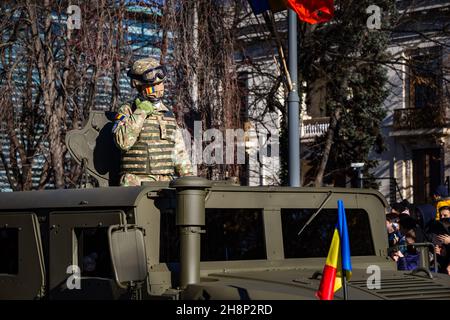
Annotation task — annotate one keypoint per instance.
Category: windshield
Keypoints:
(316, 238)
(231, 234)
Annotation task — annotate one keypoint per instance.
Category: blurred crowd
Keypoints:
(412, 227)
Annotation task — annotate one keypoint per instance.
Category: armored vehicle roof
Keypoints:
(69, 198)
(129, 196)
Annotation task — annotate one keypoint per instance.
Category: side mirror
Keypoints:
(127, 248)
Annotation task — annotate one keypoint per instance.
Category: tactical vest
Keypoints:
(152, 154)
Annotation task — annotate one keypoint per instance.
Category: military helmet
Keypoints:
(146, 71)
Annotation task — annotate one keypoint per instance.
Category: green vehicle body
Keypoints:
(249, 247)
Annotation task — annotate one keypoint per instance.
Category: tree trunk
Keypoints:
(46, 69)
(115, 94)
(328, 142)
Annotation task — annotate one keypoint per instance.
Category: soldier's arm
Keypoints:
(183, 165)
(128, 126)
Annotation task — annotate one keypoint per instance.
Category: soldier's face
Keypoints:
(159, 90)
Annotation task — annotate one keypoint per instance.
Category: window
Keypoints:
(231, 234)
(9, 251)
(425, 78)
(243, 93)
(428, 165)
(316, 238)
(93, 252)
(169, 243)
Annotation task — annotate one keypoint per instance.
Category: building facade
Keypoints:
(417, 127)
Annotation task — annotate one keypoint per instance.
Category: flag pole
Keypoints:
(293, 104)
(344, 273)
(344, 282)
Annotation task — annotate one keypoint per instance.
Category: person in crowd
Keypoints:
(444, 212)
(440, 233)
(440, 193)
(425, 215)
(408, 223)
(440, 198)
(400, 208)
(409, 259)
(393, 229)
(445, 238)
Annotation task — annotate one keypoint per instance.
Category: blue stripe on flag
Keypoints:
(343, 233)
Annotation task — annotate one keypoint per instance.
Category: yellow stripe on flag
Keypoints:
(334, 260)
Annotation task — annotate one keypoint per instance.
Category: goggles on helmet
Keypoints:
(150, 76)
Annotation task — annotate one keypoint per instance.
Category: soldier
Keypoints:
(146, 131)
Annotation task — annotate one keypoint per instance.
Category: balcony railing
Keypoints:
(418, 5)
(314, 127)
(420, 118)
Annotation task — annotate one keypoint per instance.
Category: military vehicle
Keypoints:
(192, 239)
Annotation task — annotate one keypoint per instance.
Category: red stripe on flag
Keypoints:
(326, 289)
(312, 11)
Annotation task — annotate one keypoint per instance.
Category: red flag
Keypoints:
(312, 11)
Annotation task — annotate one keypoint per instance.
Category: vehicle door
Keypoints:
(22, 267)
(80, 260)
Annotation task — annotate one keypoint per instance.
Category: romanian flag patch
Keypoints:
(118, 121)
(119, 117)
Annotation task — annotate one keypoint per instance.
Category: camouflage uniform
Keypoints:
(152, 144)
(153, 147)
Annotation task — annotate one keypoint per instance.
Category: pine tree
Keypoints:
(347, 57)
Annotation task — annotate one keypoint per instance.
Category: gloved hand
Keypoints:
(145, 105)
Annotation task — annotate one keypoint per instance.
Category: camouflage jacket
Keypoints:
(151, 145)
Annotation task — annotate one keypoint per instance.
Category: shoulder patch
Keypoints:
(118, 121)
(119, 117)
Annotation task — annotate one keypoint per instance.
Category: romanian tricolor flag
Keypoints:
(310, 11)
(150, 90)
(338, 259)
